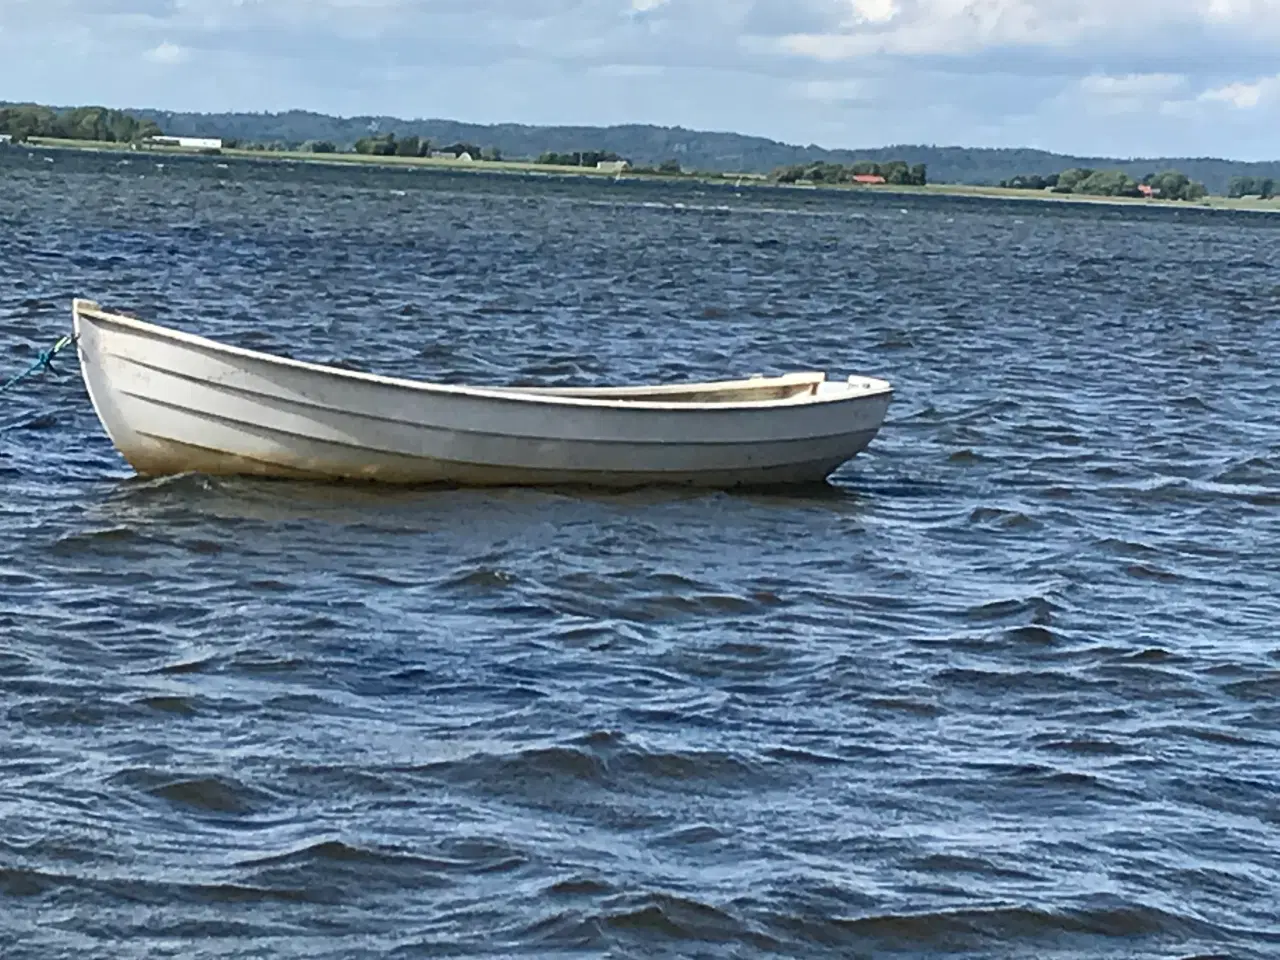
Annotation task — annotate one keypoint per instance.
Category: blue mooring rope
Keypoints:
(43, 362)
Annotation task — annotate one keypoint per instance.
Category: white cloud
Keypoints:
(1177, 97)
(836, 91)
(1236, 11)
(166, 53)
(626, 70)
(960, 27)
(1132, 93)
(1244, 96)
(874, 11)
(1133, 84)
(940, 27)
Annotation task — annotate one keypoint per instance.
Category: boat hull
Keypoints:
(174, 403)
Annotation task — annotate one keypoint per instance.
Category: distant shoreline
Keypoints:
(737, 180)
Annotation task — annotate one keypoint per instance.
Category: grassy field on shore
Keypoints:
(1007, 193)
(300, 156)
(739, 179)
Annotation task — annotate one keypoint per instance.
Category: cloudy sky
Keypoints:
(1136, 78)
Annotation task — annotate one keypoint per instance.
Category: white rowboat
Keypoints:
(174, 403)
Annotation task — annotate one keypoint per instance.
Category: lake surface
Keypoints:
(1009, 686)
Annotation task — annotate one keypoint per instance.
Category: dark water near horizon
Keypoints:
(1008, 686)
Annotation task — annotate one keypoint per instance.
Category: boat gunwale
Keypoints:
(91, 310)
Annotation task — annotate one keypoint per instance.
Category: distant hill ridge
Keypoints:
(694, 149)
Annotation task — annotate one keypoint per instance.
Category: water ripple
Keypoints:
(1006, 687)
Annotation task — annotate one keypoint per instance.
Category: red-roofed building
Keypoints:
(868, 178)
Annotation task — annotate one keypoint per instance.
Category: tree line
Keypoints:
(412, 145)
(23, 121)
(381, 145)
(1168, 185)
(1262, 187)
(894, 171)
(592, 158)
(579, 158)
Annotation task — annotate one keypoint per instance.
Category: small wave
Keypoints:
(206, 548)
(270, 585)
(43, 421)
(1085, 746)
(1150, 655)
(1250, 472)
(482, 579)
(1127, 548)
(257, 662)
(644, 919)
(1175, 490)
(580, 887)
(19, 882)
(89, 541)
(675, 918)
(650, 598)
(246, 893)
(597, 765)
(1265, 688)
(208, 794)
(968, 457)
(692, 767)
(796, 755)
(139, 487)
(332, 865)
(1039, 608)
(199, 665)
(954, 929)
(335, 851)
(1216, 736)
(72, 710)
(908, 705)
(1191, 403)
(683, 918)
(522, 769)
(1032, 636)
(179, 706)
(999, 517)
(383, 580)
(29, 883)
(1037, 775)
(14, 665)
(951, 863)
(1146, 571)
(896, 342)
(694, 836)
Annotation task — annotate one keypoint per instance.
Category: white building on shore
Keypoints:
(189, 143)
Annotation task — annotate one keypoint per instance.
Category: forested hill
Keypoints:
(695, 150)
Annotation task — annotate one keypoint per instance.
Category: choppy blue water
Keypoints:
(1008, 687)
